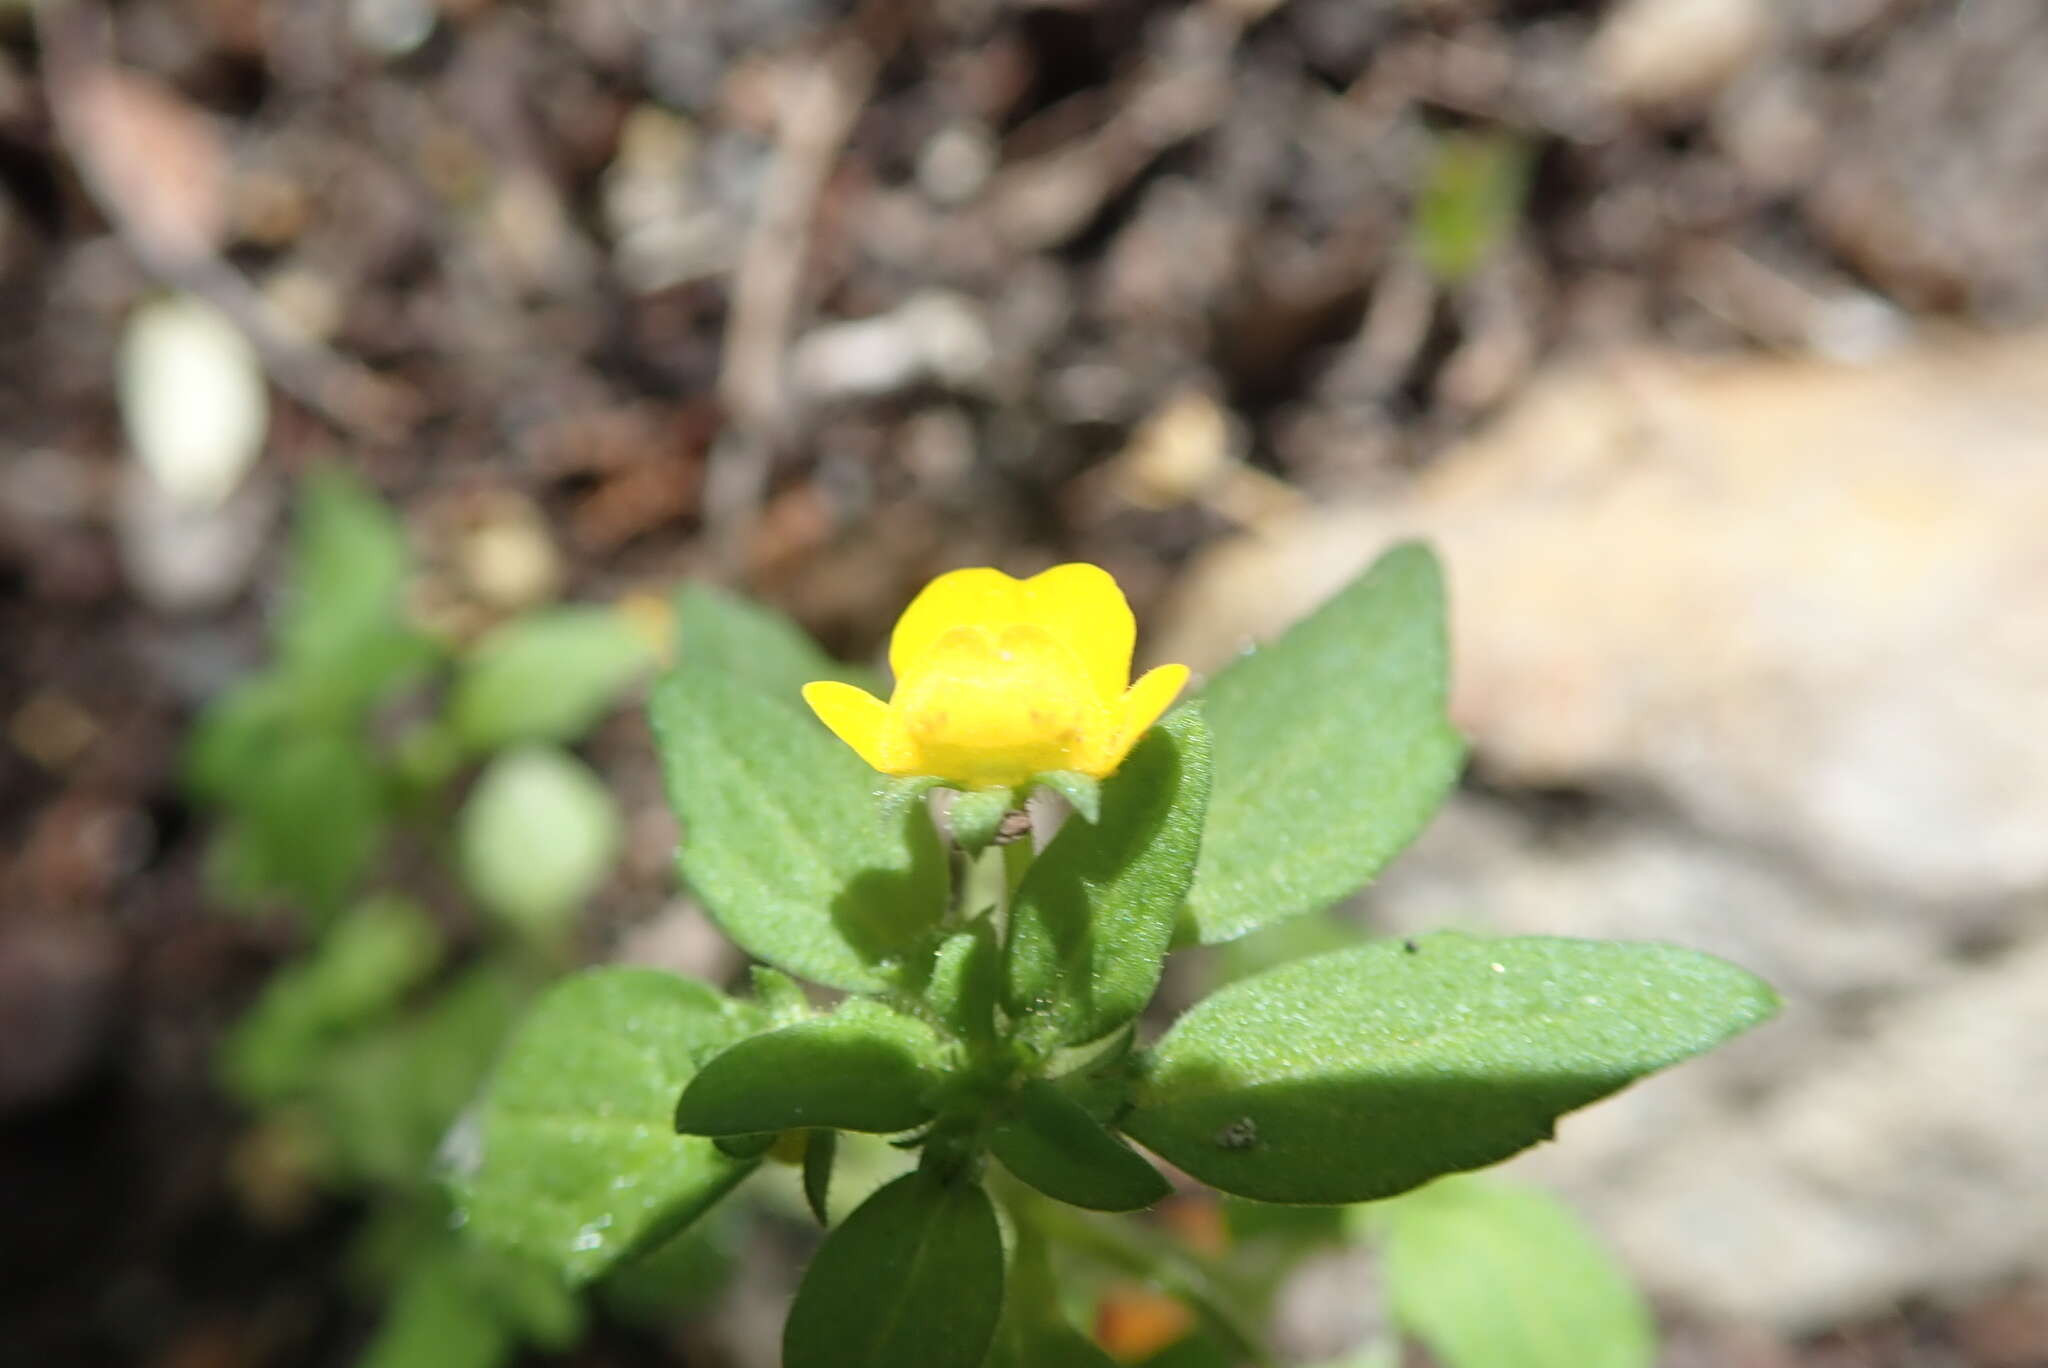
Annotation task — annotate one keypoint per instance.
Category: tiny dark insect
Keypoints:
(1411, 947)
(1242, 1133)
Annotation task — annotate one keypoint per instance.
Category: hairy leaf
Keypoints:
(579, 1164)
(1051, 1142)
(1093, 916)
(755, 644)
(1331, 752)
(1362, 1073)
(915, 1275)
(864, 1068)
(783, 841)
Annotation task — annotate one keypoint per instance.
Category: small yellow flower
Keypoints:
(999, 679)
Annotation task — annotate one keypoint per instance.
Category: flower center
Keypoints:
(993, 706)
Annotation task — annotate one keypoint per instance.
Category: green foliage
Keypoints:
(546, 677)
(1471, 194)
(1487, 1273)
(305, 804)
(1362, 1073)
(537, 837)
(580, 1165)
(821, 1147)
(782, 840)
(386, 1095)
(863, 1068)
(977, 816)
(754, 645)
(996, 990)
(1051, 1142)
(342, 637)
(438, 1320)
(915, 1275)
(1092, 918)
(359, 972)
(1331, 752)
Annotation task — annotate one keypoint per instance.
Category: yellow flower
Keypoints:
(999, 679)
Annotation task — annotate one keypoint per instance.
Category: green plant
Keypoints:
(364, 757)
(993, 978)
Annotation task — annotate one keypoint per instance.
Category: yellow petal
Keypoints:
(854, 715)
(1137, 710)
(960, 598)
(988, 706)
(1081, 605)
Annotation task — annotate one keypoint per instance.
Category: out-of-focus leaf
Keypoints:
(755, 645)
(538, 837)
(1471, 195)
(1487, 1272)
(546, 677)
(361, 969)
(342, 635)
(388, 1096)
(307, 820)
(438, 1320)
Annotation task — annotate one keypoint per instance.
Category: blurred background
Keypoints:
(1703, 337)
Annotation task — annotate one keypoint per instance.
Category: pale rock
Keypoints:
(1808, 603)
(1677, 54)
(192, 399)
(934, 336)
(1903, 1162)
(182, 557)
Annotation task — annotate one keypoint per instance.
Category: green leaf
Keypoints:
(1332, 750)
(545, 677)
(1083, 792)
(1093, 916)
(226, 757)
(342, 635)
(863, 1068)
(1365, 1072)
(780, 996)
(1470, 196)
(439, 1320)
(1487, 1272)
(821, 1147)
(976, 816)
(782, 840)
(386, 1097)
(308, 820)
(755, 644)
(580, 1165)
(680, 1278)
(1046, 1343)
(1033, 1332)
(1048, 1140)
(361, 969)
(915, 1275)
(537, 836)
(967, 975)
